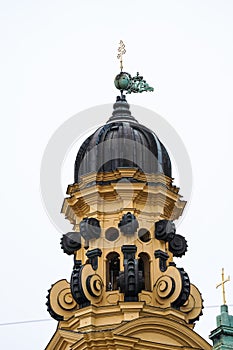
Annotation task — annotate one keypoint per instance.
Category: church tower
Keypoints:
(125, 291)
(222, 336)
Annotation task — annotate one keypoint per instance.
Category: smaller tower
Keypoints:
(222, 336)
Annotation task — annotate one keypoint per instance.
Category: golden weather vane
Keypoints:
(122, 51)
(223, 286)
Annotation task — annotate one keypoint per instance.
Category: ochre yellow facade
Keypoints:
(163, 313)
(148, 329)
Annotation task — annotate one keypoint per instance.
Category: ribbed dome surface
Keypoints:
(120, 143)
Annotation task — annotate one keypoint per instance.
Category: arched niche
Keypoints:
(144, 267)
(112, 270)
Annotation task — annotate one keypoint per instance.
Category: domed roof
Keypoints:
(122, 143)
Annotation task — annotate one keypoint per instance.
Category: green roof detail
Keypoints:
(222, 336)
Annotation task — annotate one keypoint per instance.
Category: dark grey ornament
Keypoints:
(162, 259)
(50, 310)
(128, 224)
(185, 291)
(76, 285)
(165, 230)
(130, 281)
(90, 228)
(178, 246)
(71, 242)
(93, 257)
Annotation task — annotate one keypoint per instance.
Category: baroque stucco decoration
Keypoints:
(125, 290)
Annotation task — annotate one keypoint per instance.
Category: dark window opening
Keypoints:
(144, 235)
(112, 270)
(144, 267)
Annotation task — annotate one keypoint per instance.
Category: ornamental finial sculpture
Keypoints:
(223, 286)
(124, 81)
(122, 51)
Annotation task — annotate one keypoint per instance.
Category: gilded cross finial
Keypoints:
(223, 286)
(122, 51)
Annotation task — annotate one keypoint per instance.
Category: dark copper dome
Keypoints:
(122, 143)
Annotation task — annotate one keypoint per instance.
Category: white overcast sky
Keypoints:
(59, 58)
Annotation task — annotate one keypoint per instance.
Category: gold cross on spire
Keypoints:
(122, 51)
(223, 286)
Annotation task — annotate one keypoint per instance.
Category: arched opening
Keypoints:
(144, 267)
(112, 270)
